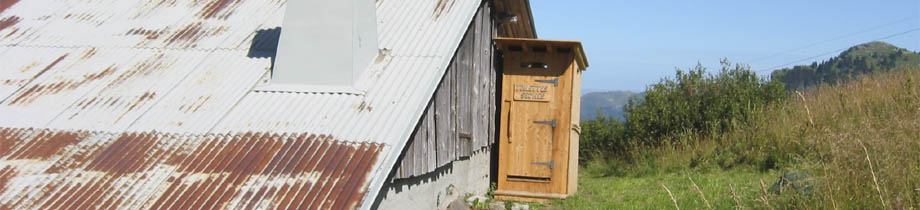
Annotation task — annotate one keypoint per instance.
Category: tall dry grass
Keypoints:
(860, 140)
(867, 133)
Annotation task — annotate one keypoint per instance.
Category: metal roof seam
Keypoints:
(34, 77)
(305, 91)
(171, 89)
(232, 107)
(400, 91)
(229, 134)
(124, 47)
(73, 103)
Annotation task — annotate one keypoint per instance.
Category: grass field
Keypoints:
(859, 141)
(646, 192)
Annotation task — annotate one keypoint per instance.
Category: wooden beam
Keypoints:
(530, 194)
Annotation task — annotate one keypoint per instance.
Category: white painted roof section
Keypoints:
(185, 67)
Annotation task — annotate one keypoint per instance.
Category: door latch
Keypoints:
(551, 163)
(555, 82)
(552, 123)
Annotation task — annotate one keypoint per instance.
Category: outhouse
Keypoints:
(541, 98)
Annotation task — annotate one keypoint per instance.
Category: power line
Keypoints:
(841, 49)
(913, 17)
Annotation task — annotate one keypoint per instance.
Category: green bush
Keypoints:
(678, 110)
(601, 136)
(697, 103)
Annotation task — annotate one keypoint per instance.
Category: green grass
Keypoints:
(860, 141)
(646, 192)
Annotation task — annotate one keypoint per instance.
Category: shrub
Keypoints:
(694, 102)
(693, 105)
(600, 136)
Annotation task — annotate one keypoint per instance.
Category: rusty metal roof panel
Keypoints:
(395, 90)
(153, 24)
(108, 89)
(130, 91)
(61, 84)
(22, 65)
(49, 169)
(173, 83)
(202, 98)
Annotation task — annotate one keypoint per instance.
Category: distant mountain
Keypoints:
(609, 102)
(591, 90)
(858, 60)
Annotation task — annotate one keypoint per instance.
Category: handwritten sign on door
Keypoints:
(531, 92)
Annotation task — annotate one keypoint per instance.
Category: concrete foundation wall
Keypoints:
(468, 176)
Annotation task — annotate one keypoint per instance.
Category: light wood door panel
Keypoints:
(533, 106)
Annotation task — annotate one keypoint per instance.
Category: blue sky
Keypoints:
(631, 44)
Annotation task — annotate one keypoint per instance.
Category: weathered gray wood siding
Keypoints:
(458, 120)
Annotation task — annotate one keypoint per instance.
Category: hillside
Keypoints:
(609, 102)
(862, 59)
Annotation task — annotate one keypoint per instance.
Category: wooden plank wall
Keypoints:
(458, 120)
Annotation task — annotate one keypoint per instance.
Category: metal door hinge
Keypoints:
(551, 163)
(552, 123)
(555, 82)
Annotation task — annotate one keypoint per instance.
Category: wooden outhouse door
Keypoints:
(538, 134)
(536, 86)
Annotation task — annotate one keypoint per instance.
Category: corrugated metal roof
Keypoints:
(47, 169)
(160, 79)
